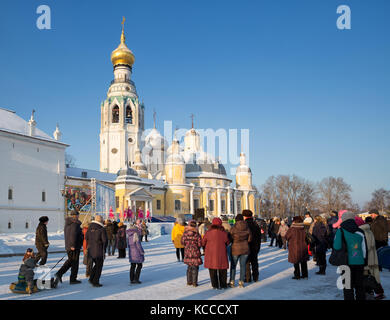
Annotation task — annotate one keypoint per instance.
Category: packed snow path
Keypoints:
(164, 278)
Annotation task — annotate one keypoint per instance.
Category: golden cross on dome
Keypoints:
(123, 23)
(154, 118)
(192, 118)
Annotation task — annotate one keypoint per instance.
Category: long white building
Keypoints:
(32, 171)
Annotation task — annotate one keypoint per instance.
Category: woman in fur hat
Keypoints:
(41, 241)
(192, 242)
(215, 259)
(297, 248)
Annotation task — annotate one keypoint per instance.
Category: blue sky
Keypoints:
(315, 98)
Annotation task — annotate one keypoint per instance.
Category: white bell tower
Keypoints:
(122, 114)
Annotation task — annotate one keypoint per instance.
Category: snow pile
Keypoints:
(157, 229)
(29, 237)
(4, 249)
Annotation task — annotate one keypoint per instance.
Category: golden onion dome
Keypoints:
(122, 54)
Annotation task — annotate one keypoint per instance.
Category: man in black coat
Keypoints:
(114, 234)
(41, 241)
(96, 238)
(73, 243)
(254, 248)
(110, 237)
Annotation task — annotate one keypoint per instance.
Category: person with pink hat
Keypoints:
(357, 253)
(215, 258)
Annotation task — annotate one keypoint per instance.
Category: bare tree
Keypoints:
(380, 200)
(334, 194)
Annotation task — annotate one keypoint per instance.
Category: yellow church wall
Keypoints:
(120, 193)
(252, 203)
(177, 194)
(160, 197)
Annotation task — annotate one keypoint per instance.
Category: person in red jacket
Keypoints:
(215, 258)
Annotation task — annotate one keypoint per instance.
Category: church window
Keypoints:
(117, 202)
(177, 205)
(238, 207)
(211, 205)
(84, 174)
(26, 225)
(9, 225)
(129, 115)
(196, 204)
(158, 205)
(222, 205)
(43, 196)
(10, 194)
(130, 140)
(115, 114)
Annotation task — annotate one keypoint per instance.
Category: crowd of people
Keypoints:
(359, 239)
(223, 246)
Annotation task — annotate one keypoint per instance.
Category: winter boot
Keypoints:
(240, 284)
(137, 274)
(321, 271)
(132, 276)
(231, 284)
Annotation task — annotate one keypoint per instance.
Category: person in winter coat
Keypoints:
(73, 243)
(297, 248)
(136, 253)
(96, 238)
(114, 234)
(192, 242)
(372, 267)
(203, 227)
(26, 270)
(241, 236)
(177, 233)
(357, 254)
(110, 237)
(121, 242)
(252, 264)
(320, 235)
(87, 261)
(144, 231)
(215, 259)
(379, 228)
(41, 241)
(282, 234)
(227, 227)
(275, 225)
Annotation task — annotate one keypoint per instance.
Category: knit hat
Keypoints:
(192, 223)
(347, 216)
(337, 224)
(239, 217)
(29, 250)
(247, 213)
(217, 222)
(359, 221)
(43, 219)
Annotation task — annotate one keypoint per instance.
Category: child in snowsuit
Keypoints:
(26, 271)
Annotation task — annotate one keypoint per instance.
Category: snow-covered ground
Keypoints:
(164, 278)
(19, 242)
